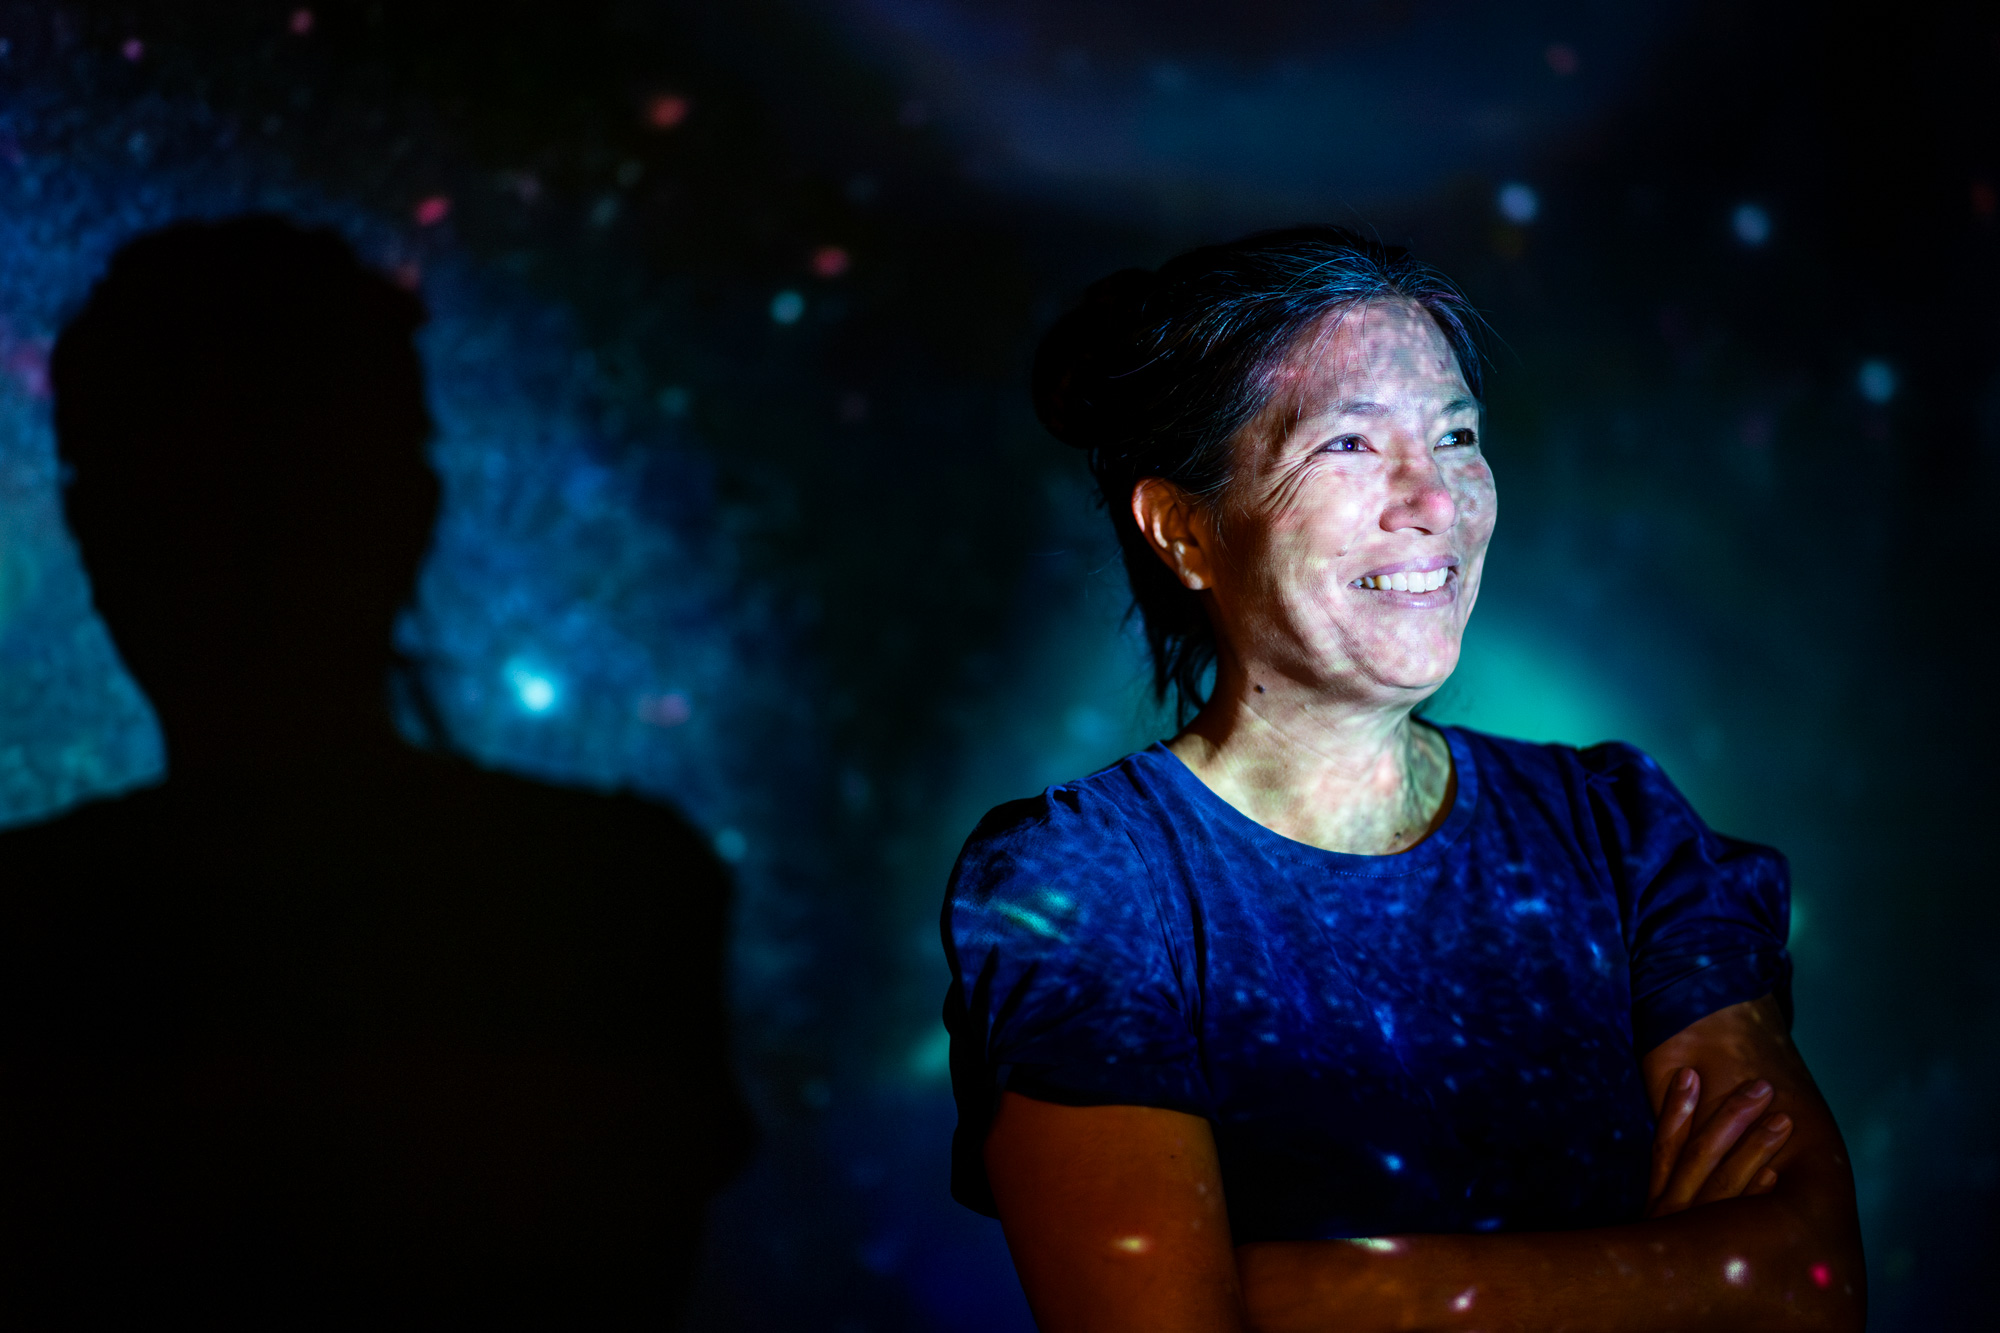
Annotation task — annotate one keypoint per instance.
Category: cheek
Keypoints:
(1472, 491)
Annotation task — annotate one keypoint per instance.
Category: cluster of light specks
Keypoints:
(542, 652)
(1736, 1272)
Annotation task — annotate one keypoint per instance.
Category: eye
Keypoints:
(1463, 438)
(1346, 444)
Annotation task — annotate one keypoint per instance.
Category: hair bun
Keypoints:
(1082, 350)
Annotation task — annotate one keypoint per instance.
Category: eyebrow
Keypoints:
(1362, 407)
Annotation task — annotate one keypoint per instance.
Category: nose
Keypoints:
(1419, 500)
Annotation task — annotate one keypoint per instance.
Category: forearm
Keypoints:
(1770, 1262)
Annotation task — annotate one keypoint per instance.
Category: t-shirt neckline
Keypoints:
(1408, 861)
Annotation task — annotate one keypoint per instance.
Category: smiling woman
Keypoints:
(1316, 1014)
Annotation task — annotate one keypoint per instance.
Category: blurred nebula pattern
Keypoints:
(731, 308)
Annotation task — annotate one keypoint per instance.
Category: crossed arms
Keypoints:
(1116, 1220)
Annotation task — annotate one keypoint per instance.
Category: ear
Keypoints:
(1178, 529)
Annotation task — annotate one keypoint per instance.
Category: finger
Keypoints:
(1711, 1143)
(1747, 1160)
(1676, 1116)
(1766, 1181)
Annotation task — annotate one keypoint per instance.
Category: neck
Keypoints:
(1349, 774)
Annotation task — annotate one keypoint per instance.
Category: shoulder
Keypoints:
(1551, 761)
(503, 815)
(1057, 867)
(1071, 824)
(77, 840)
(1610, 772)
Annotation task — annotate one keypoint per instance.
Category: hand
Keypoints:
(1729, 1157)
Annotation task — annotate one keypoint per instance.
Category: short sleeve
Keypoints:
(1063, 986)
(1705, 916)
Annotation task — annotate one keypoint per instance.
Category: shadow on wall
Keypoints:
(324, 1026)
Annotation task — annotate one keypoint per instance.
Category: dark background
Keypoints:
(746, 510)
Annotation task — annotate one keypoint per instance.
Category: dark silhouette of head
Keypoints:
(241, 410)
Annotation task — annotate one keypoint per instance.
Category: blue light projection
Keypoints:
(1877, 381)
(544, 554)
(595, 611)
(536, 691)
(1751, 224)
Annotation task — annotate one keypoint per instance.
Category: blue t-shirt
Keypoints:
(1446, 1039)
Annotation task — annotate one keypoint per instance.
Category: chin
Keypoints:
(1423, 669)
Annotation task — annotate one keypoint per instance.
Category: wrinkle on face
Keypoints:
(1304, 506)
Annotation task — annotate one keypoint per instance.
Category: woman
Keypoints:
(1318, 1016)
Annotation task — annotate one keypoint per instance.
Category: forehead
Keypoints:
(1390, 353)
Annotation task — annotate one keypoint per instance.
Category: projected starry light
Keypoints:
(744, 509)
(536, 690)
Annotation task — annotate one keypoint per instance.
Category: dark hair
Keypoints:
(1156, 371)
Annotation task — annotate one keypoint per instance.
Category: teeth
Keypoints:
(1426, 582)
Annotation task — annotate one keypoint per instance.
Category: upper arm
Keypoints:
(1115, 1217)
(1747, 1041)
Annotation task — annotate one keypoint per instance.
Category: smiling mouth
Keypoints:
(1423, 581)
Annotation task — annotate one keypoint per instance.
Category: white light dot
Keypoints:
(1736, 1272)
(787, 306)
(731, 845)
(1877, 381)
(1463, 1301)
(535, 692)
(1518, 203)
(1752, 224)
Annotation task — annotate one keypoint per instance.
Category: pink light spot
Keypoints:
(1562, 59)
(666, 111)
(830, 261)
(1822, 1276)
(27, 361)
(134, 50)
(1463, 1301)
(433, 210)
(665, 710)
(302, 22)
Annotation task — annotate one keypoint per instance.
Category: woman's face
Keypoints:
(1356, 527)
